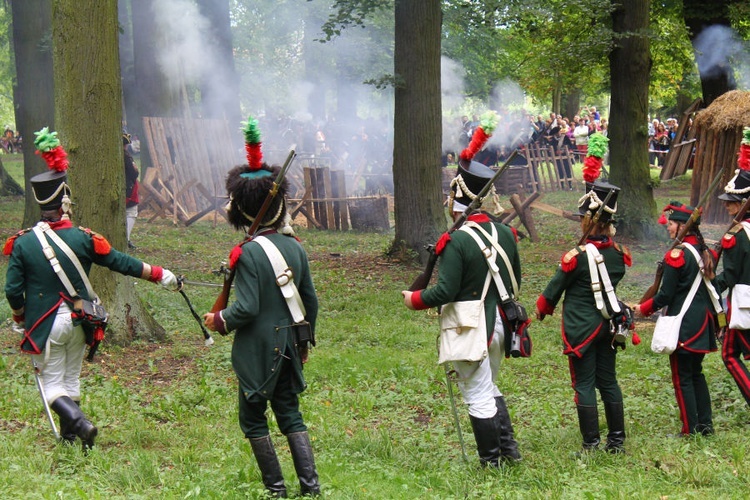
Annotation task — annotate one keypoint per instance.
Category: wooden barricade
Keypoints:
(190, 160)
(680, 153)
(324, 203)
(551, 170)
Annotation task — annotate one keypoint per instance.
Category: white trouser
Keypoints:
(132, 214)
(61, 359)
(476, 380)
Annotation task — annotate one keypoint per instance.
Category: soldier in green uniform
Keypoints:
(587, 335)
(41, 305)
(735, 277)
(462, 272)
(698, 329)
(268, 353)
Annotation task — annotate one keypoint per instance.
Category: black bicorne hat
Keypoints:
(596, 193)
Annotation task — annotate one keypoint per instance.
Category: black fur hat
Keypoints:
(248, 189)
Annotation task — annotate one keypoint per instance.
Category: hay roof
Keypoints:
(728, 111)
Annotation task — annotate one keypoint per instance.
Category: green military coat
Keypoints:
(697, 332)
(736, 251)
(582, 321)
(462, 270)
(33, 286)
(261, 319)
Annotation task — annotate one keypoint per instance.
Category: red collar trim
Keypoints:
(601, 243)
(692, 239)
(60, 224)
(479, 218)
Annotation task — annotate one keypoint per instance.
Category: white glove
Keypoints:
(18, 328)
(169, 281)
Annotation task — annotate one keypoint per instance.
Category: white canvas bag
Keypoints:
(463, 330)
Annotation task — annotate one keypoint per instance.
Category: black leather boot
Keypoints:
(487, 436)
(76, 422)
(588, 422)
(616, 426)
(508, 444)
(268, 463)
(304, 463)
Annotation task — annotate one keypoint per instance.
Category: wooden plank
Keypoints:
(327, 190)
(556, 211)
(524, 214)
(525, 204)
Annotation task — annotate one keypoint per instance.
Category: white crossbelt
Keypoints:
(42, 229)
(598, 270)
(284, 279)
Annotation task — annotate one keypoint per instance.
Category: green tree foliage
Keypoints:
(548, 47)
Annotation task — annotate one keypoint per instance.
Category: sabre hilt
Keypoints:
(209, 341)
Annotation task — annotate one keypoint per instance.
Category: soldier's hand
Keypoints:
(169, 281)
(407, 299)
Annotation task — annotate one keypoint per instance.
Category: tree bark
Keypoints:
(33, 92)
(8, 185)
(630, 68)
(419, 213)
(220, 90)
(88, 117)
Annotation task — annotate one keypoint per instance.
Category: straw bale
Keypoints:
(728, 111)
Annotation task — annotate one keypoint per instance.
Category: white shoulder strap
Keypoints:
(597, 270)
(746, 225)
(500, 250)
(284, 278)
(41, 230)
(490, 254)
(710, 286)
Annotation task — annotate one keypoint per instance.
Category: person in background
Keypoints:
(131, 188)
(269, 348)
(698, 329)
(736, 272)
(581, 136)
(41, 305)
(462, 273)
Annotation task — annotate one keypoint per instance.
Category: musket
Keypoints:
(44, 399)
(595, 218)
(424, 279)
(223, 298)
(686, 228)
(209, 341)
(736, 220)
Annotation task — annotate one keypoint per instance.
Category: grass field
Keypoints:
(377, 403)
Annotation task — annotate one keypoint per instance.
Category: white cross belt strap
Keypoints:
(284, 278)
(41, 230)
(599, 278)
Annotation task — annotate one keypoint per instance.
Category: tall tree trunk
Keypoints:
(88, 117)
(630, 69)
(717, 76)
(152, 93)
(220, 90)
(417, 125)
(33, 93)
(127, 70)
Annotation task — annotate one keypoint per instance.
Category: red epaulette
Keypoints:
(8, 247)
(627, 258)
(730, 237)
(675, 257)
(101, 245)
(570, 260)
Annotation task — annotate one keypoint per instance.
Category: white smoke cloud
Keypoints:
(715, 47)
